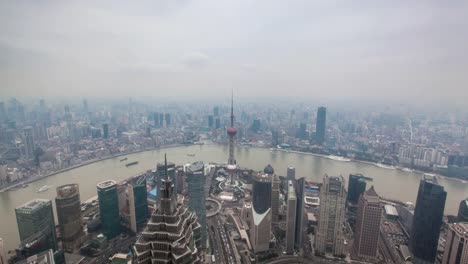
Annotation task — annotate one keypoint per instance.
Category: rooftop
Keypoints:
(106, 184)
(46, 257)
(33, 204)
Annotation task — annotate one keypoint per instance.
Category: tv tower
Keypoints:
(232, 131)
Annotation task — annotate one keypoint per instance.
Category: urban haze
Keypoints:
(233, 132)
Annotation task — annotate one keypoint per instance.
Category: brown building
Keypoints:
(456, 247)
(367, 230)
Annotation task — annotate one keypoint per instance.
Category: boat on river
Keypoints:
(338, 158)
(383, 166)
(43, 188)
(124, 159)
(131, 163)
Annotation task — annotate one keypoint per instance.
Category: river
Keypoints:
(394, 184)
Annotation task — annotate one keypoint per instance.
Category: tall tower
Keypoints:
(232, 131)
(70, 222)
(28, 142)
(330, 238)
(196, 194)
(368, 222)
(427, 220)
(109, 208)
(172, 234)
(291, 218)
(320, 125)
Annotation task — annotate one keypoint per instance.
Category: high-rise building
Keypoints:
(261, 191)
(275, 138)
(85, 106)
(216, 111)
(463, 211)
(109, 208)
(156, 119)
(275, 193)
(167, 118)
(260, 231)
(165, 239)
(28, 142)
(356, 187)
(321, 125)
(36, 226)
(367, 231)
(105, 131)
(456, 247)
(428, 214)
(196, 195)
(3, 255)
(291, 173)
(161, 119)
(291, 218)
(302, 131)
(138, 202)
(256, 125)
(330, 237)
(161, 175)
(210, 121)
(300, 196)
(70, 222)
(217, 123)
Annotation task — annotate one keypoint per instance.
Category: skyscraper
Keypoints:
(463, 211)
(275, 186)
(68, 207)
(261, 191)
(210, 121)
(427, 220)
(36, 225)
(321, 125)
(164, 239)
(161, 119)
(167, 118)
(291, 173)
(195, 188)
(260, 231)
(28, 142)
(300, 192)
(356, 187)
(161, 175)
(456, 247)
(217, 123)
(109, 208)
(138, 202)
(105, 131)
(216, 111)
(232, 131)
(156, 119)
(291, 218)
(366, 235)
(330, 237)
(3, 255)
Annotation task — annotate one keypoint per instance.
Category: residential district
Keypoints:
(206, 212)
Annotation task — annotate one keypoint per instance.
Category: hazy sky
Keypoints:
(417, 50)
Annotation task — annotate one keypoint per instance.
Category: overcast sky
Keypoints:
(417, 50)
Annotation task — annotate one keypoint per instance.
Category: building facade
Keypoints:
(28, 142)
(321, 125)
(138, 203)
(260, 231)
(428, 214)
(36, 226)
(261, 192)
(463, 211)
(275, 192)
(330, 238)
(3, 255)
(456, 247)
(300, 195)
(68, 206)
(356, 187)
(291, 218)
(109, 208)
(161, 174)
(291, 173)
(367, 232)
(196, 195)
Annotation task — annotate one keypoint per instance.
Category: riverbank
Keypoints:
(365, 162)
(27, 181)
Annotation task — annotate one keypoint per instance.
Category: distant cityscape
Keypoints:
(212, 212)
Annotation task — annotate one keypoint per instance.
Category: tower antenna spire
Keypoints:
(165, 167)
(232, 107)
